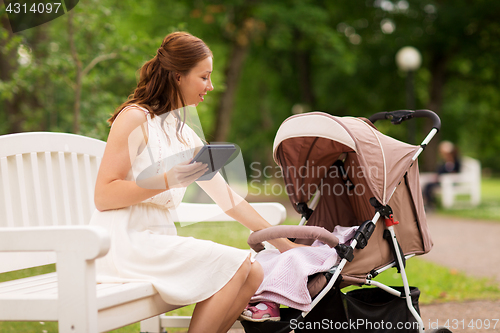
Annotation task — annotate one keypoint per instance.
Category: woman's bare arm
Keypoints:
(112, 191)
(125, 141)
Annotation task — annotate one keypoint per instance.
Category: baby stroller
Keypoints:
(343, 171)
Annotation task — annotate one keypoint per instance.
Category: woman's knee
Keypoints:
(256, 275)
(245, 269)
(252, 272)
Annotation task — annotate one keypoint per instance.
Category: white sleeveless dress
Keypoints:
(144, 241)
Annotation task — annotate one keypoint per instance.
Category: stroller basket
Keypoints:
(375, 310)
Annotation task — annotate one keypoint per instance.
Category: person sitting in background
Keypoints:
(451, 164)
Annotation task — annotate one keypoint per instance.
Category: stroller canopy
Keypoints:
(348, 161)
(316, 140)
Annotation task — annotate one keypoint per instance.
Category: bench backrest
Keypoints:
(48, 179)
(471, 168)
(45, 179)
(470, 173)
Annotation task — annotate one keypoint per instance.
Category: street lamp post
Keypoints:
(409, 60)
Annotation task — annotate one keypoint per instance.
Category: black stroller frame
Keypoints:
(360, 240)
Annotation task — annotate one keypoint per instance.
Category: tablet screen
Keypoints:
(215, 156)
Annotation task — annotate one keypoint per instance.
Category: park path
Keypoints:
(472, 247)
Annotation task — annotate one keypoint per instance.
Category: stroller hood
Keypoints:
(308, 146)
(314, 141)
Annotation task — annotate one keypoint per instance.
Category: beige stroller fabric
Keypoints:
(375, 165)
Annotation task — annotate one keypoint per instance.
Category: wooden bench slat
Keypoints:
(124, 293)
(23, 199)
(32, 279)
(51, 188)
(37, 187)
(89, 183)
(32, 310)
(45, 287)
(78, 190)
(38, 288)
(64, 188)
(4, 169)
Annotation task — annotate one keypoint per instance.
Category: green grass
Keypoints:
(439, 284)
(488, 209)
(27, 272)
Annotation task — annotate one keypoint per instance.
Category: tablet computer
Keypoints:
(215, 156)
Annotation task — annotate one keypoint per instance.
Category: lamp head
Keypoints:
(408, 59)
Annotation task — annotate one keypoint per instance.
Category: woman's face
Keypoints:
(195, 85)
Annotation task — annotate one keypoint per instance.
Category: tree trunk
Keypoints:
(304, 70)
(78, 80)
(32, 100)
(438, 80)
(226, 103)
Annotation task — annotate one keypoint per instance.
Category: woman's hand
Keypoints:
(183, 174)
(284, 244)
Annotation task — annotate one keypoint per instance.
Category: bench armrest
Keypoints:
(91, 241)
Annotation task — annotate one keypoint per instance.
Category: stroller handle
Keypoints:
(397, 117)
(290, 231)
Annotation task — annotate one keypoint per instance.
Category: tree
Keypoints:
(456, 45)
(64, 84)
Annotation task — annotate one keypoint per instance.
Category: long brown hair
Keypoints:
(157, 90)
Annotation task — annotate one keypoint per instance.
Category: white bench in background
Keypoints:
(46, 199)
(467, 181)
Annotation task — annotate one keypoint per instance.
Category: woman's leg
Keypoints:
(246, 292)
(223, 308)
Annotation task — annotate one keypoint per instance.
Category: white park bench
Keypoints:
(46, 199)
(466, 182)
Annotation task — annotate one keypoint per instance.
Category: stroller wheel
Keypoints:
(440, 330)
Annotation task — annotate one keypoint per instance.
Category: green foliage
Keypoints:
(322, 55)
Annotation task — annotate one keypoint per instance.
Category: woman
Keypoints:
(144, 246)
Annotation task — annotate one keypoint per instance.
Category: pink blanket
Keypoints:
(286, 274)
